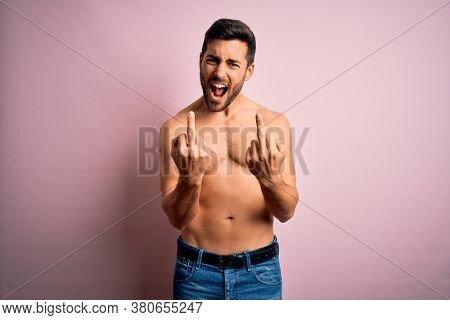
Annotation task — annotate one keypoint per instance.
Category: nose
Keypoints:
(220, 71)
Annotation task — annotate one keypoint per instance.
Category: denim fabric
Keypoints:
(194, 280)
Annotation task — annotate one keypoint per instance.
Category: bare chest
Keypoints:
(227, 145)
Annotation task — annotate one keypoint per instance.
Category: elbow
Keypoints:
(176, 223)
(178, 226)
(288, 215)
(286, 218)
(290, 209)
(173, 222)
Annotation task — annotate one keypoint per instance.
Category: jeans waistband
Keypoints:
(232, 260)
(182, 243)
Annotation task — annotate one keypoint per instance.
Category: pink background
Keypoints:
(377, 149)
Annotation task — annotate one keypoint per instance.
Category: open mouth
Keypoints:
(218, 90)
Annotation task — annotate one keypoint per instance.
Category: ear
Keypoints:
(249, 72)
(200, 59)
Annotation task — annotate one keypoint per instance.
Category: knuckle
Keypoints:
(205, 155)
(184, 152)
(192, 154)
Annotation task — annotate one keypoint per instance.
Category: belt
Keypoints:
(237, 260)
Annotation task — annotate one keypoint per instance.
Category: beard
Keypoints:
(231, 93)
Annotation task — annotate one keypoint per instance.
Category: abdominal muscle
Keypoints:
(232, 215)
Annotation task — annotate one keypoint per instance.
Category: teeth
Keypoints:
(218, 85)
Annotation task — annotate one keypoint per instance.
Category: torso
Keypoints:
(232, 214)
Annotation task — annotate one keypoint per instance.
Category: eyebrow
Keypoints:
(218, 58)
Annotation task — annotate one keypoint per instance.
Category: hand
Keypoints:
(192, 163)
(265, 156)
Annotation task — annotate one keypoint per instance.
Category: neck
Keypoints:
(230, 110)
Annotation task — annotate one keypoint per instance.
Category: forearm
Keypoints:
(183, 203)
(280, 198)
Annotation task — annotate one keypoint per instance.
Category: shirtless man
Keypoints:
(226, 172)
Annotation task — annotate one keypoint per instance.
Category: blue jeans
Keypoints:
(194, 280)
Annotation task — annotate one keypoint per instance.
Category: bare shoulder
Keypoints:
(179, 119)
(273, 118)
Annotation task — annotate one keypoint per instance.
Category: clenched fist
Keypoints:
(192, 162)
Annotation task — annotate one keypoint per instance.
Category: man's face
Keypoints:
(223, 70)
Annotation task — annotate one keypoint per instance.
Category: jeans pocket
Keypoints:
(184, 269)
(268, 272)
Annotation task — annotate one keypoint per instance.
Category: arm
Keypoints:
(182, 204)
(270, 159)
(181, 173)
(280, 198)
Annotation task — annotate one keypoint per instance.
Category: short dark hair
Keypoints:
(229, 29)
